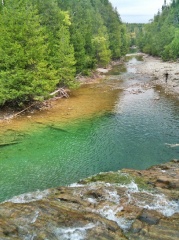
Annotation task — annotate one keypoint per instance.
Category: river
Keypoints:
(117, 123)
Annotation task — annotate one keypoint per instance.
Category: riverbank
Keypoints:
(128, 204)
(61, 95)
(150, 66)
(157, 69)
(99, 74)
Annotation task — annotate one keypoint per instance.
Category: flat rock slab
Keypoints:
(128, 204)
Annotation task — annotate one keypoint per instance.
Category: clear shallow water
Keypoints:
(133, 134)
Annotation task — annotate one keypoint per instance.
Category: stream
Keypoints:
(117, 123)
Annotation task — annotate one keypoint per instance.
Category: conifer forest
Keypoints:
(44, 44)
(160, 37)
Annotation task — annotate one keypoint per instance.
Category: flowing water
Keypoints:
(116, 123)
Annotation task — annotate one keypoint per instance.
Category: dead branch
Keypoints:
(60, 91)
(15, 115)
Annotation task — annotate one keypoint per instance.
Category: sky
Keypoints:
(137, 11)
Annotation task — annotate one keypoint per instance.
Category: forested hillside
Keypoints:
(134, 31)
(44, 44)
(161, 36)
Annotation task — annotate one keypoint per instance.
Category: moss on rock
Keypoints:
(118, 178)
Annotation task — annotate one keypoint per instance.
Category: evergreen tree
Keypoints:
(60, 51)
(171, 51)
(43, 44)
(99, 37)
(160, 37)
(24, 72)
(81, 15)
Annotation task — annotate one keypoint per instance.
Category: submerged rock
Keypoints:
(127, 204)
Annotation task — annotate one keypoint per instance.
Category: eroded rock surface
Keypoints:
(127, 204)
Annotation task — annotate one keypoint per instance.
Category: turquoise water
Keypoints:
(135, 134)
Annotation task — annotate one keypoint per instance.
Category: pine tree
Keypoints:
(23, 67)
(160, 37)
(60, 50)
(43, 44)
(101, 44)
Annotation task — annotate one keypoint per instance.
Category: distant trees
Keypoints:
(161, 36)
(43, 44)
(134, 31)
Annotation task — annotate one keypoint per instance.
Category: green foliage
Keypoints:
(100, 37)
(160, 37)
(134, 31)
(23, 67)
(171, 51)
(35, 56)
(43, 44)
(101, 44)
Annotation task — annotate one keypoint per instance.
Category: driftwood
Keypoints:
(8, 144)
(16, 114)
(57, 128)
(60, 91)
(24, 110)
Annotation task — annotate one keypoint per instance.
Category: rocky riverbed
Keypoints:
(128, 204)
(157, 69)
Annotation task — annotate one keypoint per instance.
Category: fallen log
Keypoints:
(16, 114)
(57, 128)
(8, 143)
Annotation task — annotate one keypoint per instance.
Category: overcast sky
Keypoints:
(137, 11)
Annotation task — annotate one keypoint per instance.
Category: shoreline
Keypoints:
(8, 113)
(98, 74)
(156, 68)
(153, 67)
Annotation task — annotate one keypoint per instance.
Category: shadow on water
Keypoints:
(117, 70)
(134, 58)
(100, 128)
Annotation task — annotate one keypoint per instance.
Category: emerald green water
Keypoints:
(133, 132)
